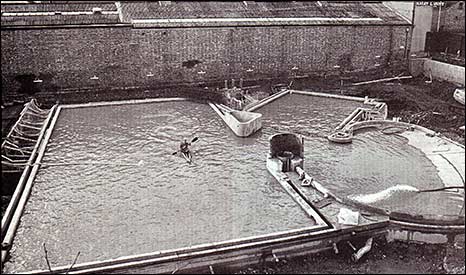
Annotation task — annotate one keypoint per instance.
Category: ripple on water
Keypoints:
(110, 204)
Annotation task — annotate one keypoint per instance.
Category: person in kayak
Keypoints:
(184, 146)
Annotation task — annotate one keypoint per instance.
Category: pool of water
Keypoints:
(377, 169)
(109, 185)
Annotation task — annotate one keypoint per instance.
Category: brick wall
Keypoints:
(453, 18)
(67, 58)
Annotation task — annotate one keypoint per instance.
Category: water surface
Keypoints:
(110, 186)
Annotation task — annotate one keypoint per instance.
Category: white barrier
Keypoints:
(444, 71)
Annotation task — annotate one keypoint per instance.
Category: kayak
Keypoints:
(187, 156)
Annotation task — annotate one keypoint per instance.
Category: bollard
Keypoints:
(335, 248)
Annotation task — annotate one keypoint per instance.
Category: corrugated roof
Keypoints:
(167, 13)
(276, 21)
(331, 12)
(51, 20)
(108, 6)
(45, 14)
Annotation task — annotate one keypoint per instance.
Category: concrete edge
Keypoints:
(122, 102)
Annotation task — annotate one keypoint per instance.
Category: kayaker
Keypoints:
(184, 146)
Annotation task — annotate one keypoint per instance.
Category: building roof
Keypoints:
(237, 13)
(199, 13)
(53, 14)
(57, 6)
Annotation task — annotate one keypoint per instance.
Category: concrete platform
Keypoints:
(446, 155)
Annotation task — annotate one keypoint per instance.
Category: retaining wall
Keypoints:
(444, 71)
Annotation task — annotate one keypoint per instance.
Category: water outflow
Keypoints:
(384, 194)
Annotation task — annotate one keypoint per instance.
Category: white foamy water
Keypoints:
(384, 194)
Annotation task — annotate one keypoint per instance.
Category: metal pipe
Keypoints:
(17, 122)
(345, 97)
(121, 102)
(14, 164)
(24, 195)
(3, 256)
(348, 119)
(362, 251)
(267, 100)
(11, 143)
(12, 160)
(351, 245)
(22, 151)
(29, 126)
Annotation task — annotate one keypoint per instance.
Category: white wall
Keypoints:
(444, 71)
(422, 25)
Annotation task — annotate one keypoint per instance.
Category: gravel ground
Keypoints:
(384, 258)
(427, 104)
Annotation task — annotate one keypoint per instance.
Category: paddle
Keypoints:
(193, 140)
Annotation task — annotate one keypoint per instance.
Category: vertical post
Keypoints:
(226, 84)
(413, 14)
(438, 20)
(233, 83)
(302, 147)
(406, 43)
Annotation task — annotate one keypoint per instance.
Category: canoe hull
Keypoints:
(187, 156)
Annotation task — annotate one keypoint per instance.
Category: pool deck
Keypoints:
(446, 155)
